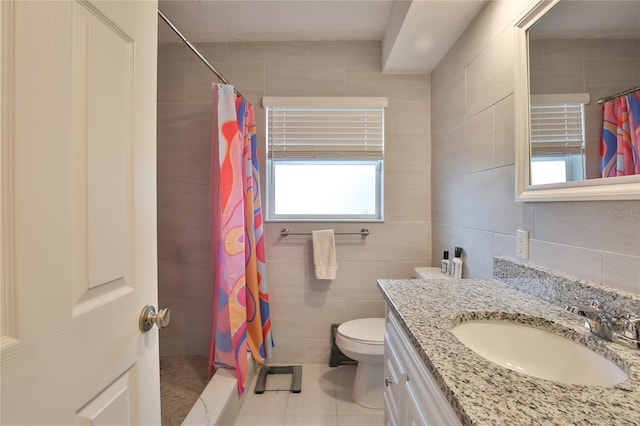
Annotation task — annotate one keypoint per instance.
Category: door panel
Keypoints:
(78, 212)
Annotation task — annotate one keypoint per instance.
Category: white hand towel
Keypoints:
(324, 254)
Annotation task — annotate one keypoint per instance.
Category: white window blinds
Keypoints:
(326, 131)
(557, 128)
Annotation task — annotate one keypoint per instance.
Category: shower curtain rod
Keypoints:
(626, 92)
(198, 54)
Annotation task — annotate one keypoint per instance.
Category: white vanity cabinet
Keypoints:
(411, 395)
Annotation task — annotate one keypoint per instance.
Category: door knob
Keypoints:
(148, 317)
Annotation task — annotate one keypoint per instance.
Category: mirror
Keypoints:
(569, 56)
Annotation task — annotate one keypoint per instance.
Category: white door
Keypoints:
(78, 214)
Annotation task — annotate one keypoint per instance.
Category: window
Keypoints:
(325, 159)
(557, 138)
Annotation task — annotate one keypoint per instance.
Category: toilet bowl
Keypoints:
(363, 340)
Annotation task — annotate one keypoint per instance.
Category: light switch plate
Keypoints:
(522, 244)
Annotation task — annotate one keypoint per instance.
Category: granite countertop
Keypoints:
(482, 392)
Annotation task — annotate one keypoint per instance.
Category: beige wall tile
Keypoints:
(622, 271)
(398, 88)
(572, 260)
(506, 13)
(354, 56)
(303, 80)
(489, 201)
(504, 133)
(490, 76)
(610, 226)
(448, 102)
(267, 52)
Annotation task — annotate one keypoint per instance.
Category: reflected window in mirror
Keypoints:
(558, 151)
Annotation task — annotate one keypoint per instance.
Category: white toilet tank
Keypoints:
(428, 273)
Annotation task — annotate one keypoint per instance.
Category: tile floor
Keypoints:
(325, 400)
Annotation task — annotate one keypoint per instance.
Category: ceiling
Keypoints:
(415, 34)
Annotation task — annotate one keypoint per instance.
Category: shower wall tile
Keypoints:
(216, 53)
(172, 162)
(198, 86)
(197, 161)
(184, 200)
(171, 81)
(185, 242)
(303, 308)
(184, 123)
(248, 79)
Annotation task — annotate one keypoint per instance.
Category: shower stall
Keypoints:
(184, 234)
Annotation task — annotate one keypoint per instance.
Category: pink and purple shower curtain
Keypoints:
(241, 303)
(620, 146)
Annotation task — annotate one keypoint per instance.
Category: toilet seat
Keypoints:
(368, 331)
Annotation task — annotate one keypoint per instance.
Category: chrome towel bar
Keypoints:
(285, 233)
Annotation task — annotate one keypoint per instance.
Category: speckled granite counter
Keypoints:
(484, 393)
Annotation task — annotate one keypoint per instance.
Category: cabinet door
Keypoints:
(394, 378)
(413, 411)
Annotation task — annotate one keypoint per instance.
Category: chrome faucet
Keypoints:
(602, 324)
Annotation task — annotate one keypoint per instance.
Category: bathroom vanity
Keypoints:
(411, 395)
(433, 378)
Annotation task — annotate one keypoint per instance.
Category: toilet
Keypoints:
(363, 340)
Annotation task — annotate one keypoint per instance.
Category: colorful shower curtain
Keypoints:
(241, 303)
(620, 146)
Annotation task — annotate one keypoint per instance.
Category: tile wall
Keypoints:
(473, 172)
(303, 308)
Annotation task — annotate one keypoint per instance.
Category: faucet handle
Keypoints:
(631, 328)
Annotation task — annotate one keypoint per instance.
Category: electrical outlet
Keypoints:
(522, 244)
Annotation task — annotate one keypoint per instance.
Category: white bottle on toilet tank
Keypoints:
(456, 263)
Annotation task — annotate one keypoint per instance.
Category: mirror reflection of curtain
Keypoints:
(620, 147)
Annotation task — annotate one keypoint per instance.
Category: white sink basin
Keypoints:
(538, 353)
